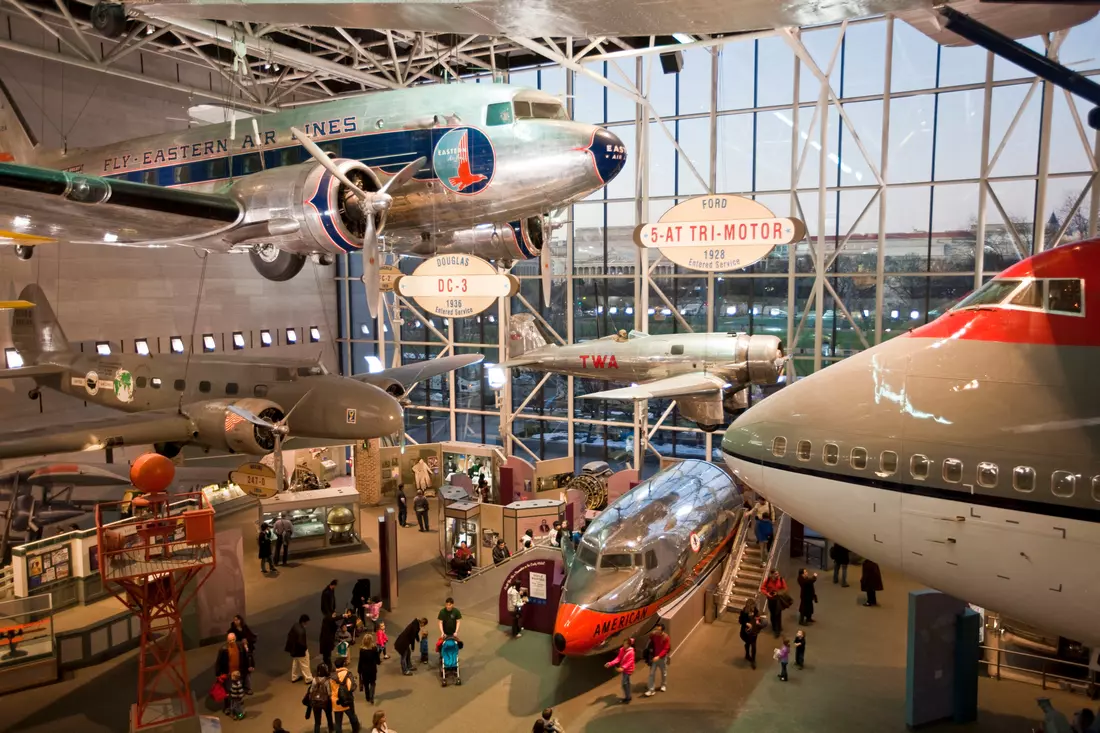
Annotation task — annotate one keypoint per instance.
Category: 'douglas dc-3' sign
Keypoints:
(718, 233)
(455, 286)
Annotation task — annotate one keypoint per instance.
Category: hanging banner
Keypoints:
(455, 286)
(718, 233)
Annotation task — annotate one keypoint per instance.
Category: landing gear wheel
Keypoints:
(109, 19)
(24, 252)
(709, 427)
(275, 264)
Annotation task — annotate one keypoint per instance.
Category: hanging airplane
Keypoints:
(704, 372)
(441, 169)
(211, 400)
(963, 453)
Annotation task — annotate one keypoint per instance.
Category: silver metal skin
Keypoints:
(638, 554)
(700, 370)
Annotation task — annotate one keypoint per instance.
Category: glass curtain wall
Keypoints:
(922, 170)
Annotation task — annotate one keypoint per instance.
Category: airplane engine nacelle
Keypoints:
(757, 359)
(392, 387)
(303, 209)
(511, 242)
(219, 428)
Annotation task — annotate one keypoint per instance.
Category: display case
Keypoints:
(325, 519)
(537, 515)
(28, 654)
(460, 523)
(227, 497)
(475, 461)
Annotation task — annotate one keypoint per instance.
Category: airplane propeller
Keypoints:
(279, 431)
(370, 204)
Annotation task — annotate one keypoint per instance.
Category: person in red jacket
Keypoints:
(661, 645)
(624, 663)
(774, 587)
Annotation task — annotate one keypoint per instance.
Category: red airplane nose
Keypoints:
(573, 630)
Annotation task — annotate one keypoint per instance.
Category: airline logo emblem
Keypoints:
(696, 545)
(599, 361)
(464, 160)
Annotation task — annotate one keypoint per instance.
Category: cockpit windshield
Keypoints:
(316, 370)
(1061, 295)
(992, 293)
(541, 110)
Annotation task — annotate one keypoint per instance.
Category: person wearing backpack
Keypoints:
(342, 683)
(657, 652)
(319, 699)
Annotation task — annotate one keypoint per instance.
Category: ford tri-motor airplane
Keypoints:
(465, 168)
(215, 401)
(963, 453)
(703, 372)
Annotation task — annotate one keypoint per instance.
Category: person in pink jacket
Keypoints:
(624, 663)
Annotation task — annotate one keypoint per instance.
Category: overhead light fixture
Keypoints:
(265, 338)
(731, 310)
(683, 38)
(149, 30)
(141, 346)
(496, 375)
(374, 364)
(238, 340)
(291, 336)
(208, 342)
(12, 358)
(914, 315)
(177, 345)
(110, 237)
(102, 348)
(276, 67)
(21, 222)
(314, 334)
(893, 314)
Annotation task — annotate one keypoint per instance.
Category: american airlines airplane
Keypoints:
(963, 453)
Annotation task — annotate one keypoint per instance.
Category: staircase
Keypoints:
(746, 567)
(748, 576)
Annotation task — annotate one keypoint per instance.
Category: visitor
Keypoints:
(463, 561)
(264, 541)
(297, 646)
(284, 530)
(420, 506)
(343, 696)
(870, 582)
(624, 664)
(782, 655)
(380, 636)
(482, 488)
(233, 656)
(661, 645)
(807, 595)
(403, 645)
(320, 699)
(328, 599)
(501, 552)
(1053, 720)
(750, 623)
(800, 649)
(424, 647)
(343, 637)
(369, 659)
(528, 540)
(550, 724)
(402, 506)
(1085, 721)
(555, 535)
(841, 557)
(765, 533)
(775, 590)
(328, 638)
(236, 696)
(240, 628)
(516, 599)
(450, 618)
(277, 726)
(379, 723)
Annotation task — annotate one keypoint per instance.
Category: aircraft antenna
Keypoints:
(194, 325)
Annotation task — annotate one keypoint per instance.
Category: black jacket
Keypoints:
(297, 643)
(420, 503)
(407, 638)
(501, 553)
(328, 635)
(328, 601)
(264, 540)
(839, 554)
(244, 634)
(221, 666)
(368, 664)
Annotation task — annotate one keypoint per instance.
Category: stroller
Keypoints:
(448, 660)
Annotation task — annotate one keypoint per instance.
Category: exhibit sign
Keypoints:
(718, 233)
(455, 286)
(388, 275)
(256, 479)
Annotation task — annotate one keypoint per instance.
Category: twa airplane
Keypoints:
(963, 453)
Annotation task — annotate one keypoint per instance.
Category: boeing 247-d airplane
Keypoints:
(463, 168)
(963, 453)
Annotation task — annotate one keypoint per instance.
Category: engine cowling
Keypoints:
(219, 428)
(304, 209)
(756, 359)
(508, 243)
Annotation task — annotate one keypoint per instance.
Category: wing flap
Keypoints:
(110, 432)
(696, 383)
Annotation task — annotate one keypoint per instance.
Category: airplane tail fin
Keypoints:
(523, 335)
(17, 142)
(35, 331)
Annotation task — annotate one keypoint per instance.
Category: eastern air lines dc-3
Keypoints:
(441, 169)
(213, 401)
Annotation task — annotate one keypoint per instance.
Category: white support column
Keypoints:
(569, 296)
(983, 174)
(880, 262)
(792, 248)
(712, 180)
(641, 213)
(1041, 215)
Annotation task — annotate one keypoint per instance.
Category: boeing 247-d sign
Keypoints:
(718, 233)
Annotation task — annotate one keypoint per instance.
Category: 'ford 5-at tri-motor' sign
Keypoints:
(718, 233)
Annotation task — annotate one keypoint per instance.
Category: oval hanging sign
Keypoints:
(718, 233)
(388, 275)
(255, 479)
(454, 286)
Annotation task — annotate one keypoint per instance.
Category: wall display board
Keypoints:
(718, 233)
(48, 566)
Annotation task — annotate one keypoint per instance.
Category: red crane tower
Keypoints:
(154, 561)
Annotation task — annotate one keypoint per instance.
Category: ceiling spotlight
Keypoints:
(12, 358)
(314, 334)
(208, 342)
(141, 346)
(374, 364)
(265, 338)
(102, 348)
(238, 340)
(291, 336)
(110, 238)
(21, 222)
(149, 30)
(276, 67)
(267, 65)
(177, 345)
(683, 38)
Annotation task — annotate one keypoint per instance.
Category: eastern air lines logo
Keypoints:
(464, 160)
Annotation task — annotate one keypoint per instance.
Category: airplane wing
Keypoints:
(696, 383)
(143, 428)
(45, 206)
(31, 371)
(521, 362)
(410, 374)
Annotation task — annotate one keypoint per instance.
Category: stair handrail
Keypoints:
(543, 541)
(729, 575)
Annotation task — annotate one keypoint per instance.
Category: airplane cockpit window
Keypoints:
(952, 470)
(1064, 296)
(617, 561)
(529, 110)
(992, 293)
(1029, 296)
(919, 466)
(650, 560)
(987, 475)
(677, 350)
(1023, 479)
(587, 554)
(499, 114)
(1063, 484)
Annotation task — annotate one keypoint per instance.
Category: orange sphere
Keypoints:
(152, 472)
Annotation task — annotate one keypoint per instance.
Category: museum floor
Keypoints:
(854, 680)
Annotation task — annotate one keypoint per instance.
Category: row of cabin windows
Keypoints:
(1063, 484)
(231, 388)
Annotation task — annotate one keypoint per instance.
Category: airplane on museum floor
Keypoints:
(215, 401)
(442, 169)
(649, 547)
(704, 372)
(963, 453)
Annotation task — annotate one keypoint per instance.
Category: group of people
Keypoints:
(274, 542)
(234, 666)
(420, 508)
(655, 654)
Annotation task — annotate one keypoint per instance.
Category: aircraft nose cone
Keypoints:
(559, 643)
(609, 154)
